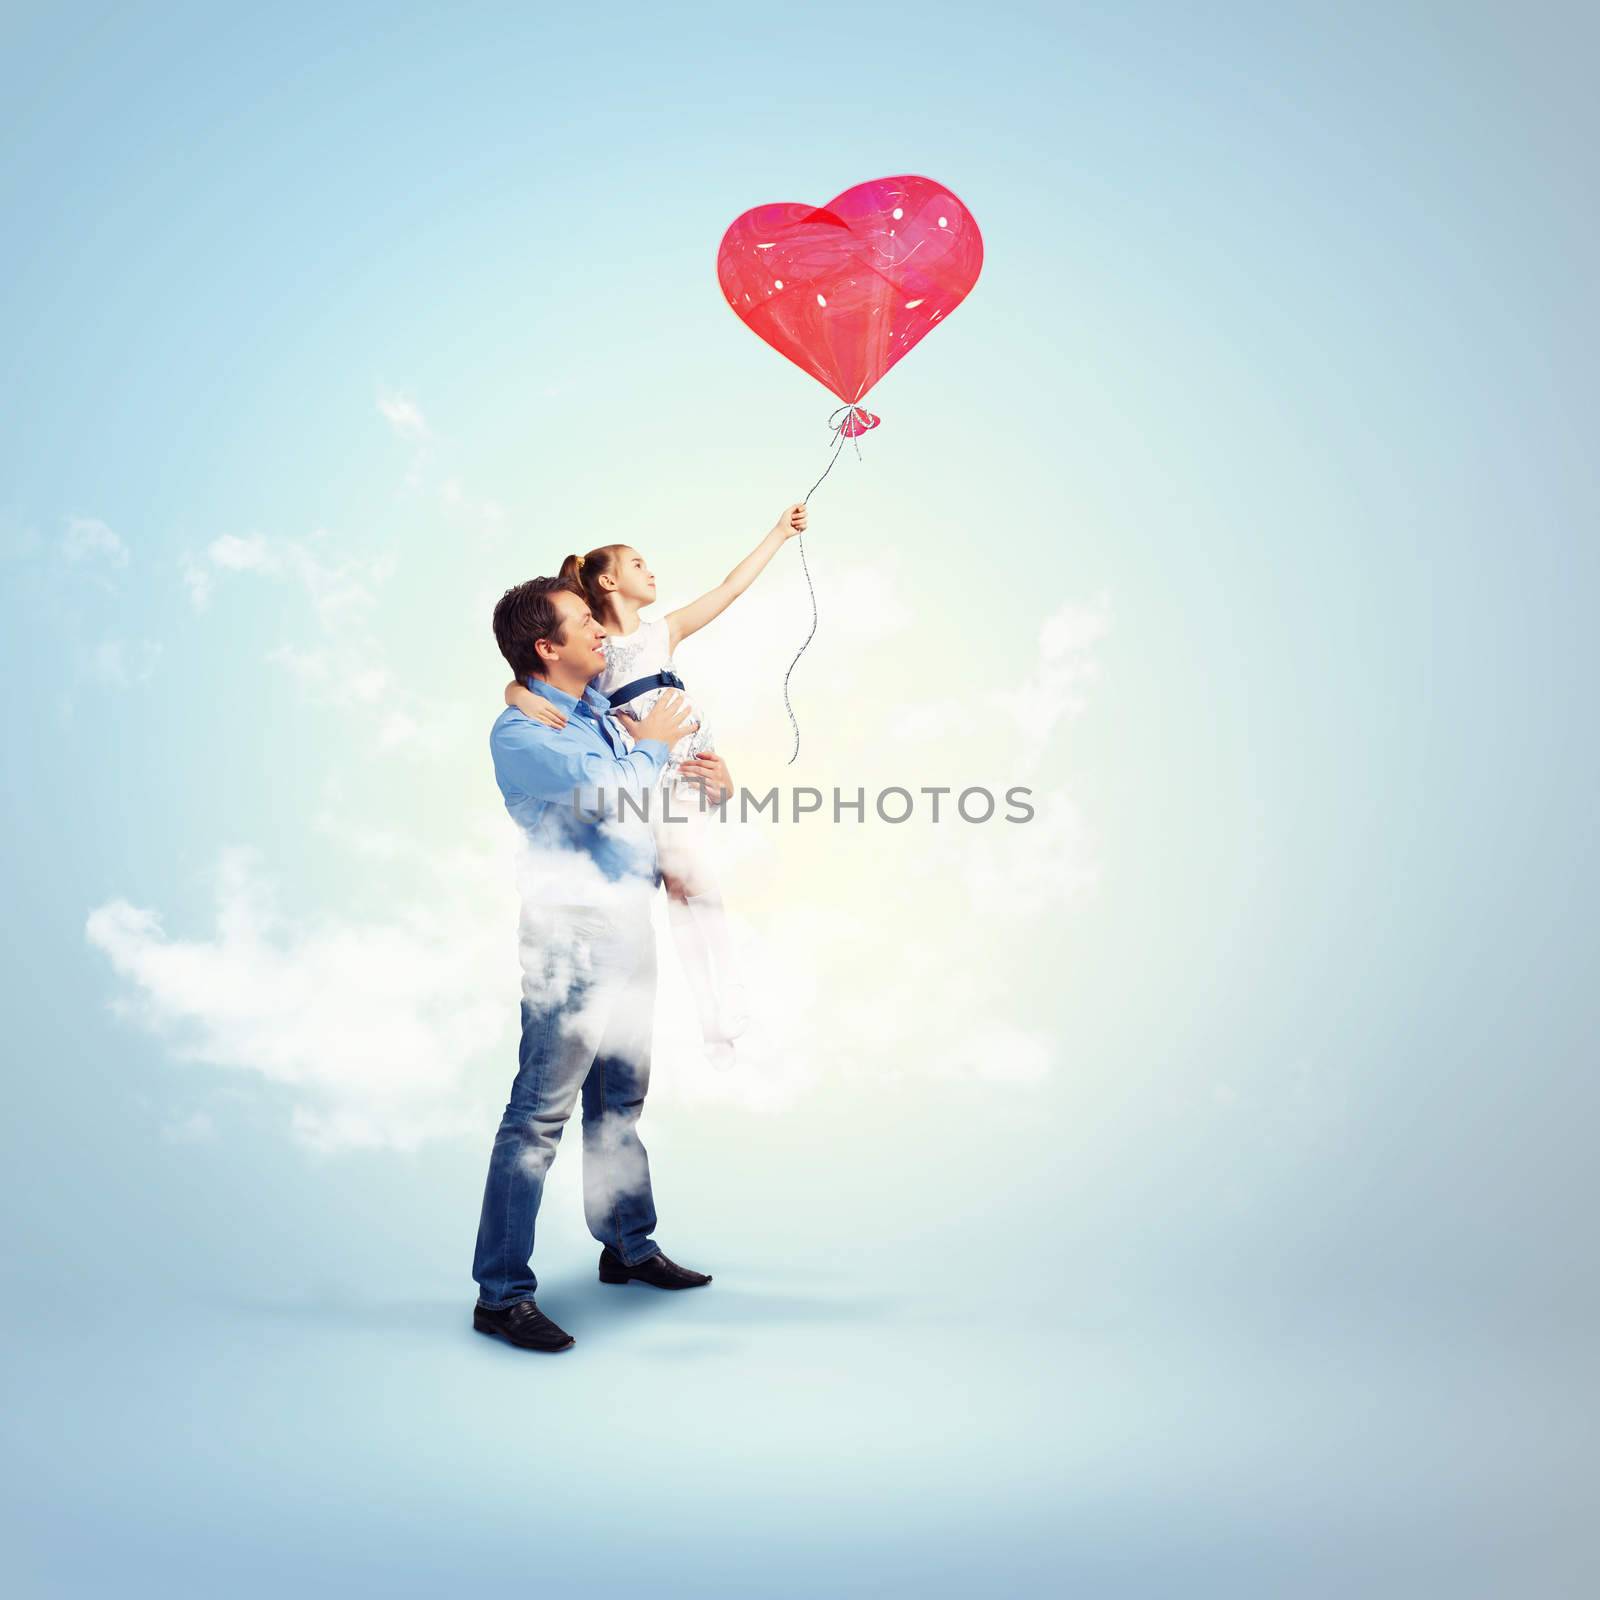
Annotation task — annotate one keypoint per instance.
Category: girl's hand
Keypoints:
(792, 521)
(534, 705)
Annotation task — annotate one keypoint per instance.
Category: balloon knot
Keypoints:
(853, 421)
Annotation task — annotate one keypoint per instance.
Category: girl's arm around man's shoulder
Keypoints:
(523, 699)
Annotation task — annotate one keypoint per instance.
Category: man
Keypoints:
(588, 954)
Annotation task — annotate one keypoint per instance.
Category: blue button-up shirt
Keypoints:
(556, 780)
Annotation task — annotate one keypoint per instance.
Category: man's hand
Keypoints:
(708, 772)
(792, 521)
(667, 720)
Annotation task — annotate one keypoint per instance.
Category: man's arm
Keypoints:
(552, 764)
(549, 764)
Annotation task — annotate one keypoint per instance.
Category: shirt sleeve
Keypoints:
(542, 763)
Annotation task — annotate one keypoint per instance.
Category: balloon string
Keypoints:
(805, 567)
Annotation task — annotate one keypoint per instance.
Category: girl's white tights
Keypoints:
(696, 965)
(700, 930)
(712, 922)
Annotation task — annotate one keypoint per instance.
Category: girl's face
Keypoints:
(635, 581)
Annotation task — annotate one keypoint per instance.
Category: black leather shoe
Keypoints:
(658, 1271)
(522, 1324)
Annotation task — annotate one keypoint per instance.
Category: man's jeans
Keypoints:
(587, 1009)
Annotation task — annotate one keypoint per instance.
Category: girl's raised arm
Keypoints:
(694, 616)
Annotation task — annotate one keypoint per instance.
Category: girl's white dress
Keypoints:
(648, 650)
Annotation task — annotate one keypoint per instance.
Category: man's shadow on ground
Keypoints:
(595, 1312)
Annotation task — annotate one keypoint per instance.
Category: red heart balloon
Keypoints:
(845, 290)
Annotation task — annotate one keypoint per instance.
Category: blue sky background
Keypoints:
(1187, 1193)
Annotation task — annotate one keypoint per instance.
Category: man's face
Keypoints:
(578, 649)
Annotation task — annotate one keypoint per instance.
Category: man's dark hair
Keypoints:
(525, 615)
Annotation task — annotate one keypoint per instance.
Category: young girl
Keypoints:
(618, 586)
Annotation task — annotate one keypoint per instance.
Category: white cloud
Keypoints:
(341, 677)
(339, 668)
(485, 520)
(402, 414)
(1066, 670)
(1054, 690)
(371, 1027)
(197, 580)
(87, 540)
(343, 669)
(122, 663)
(343, 674)
(367, 1027)
(228, 552)
(242, 553)
(342, 590)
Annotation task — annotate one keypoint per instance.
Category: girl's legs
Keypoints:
(695, 962)
(700, 928)
(712, 920)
